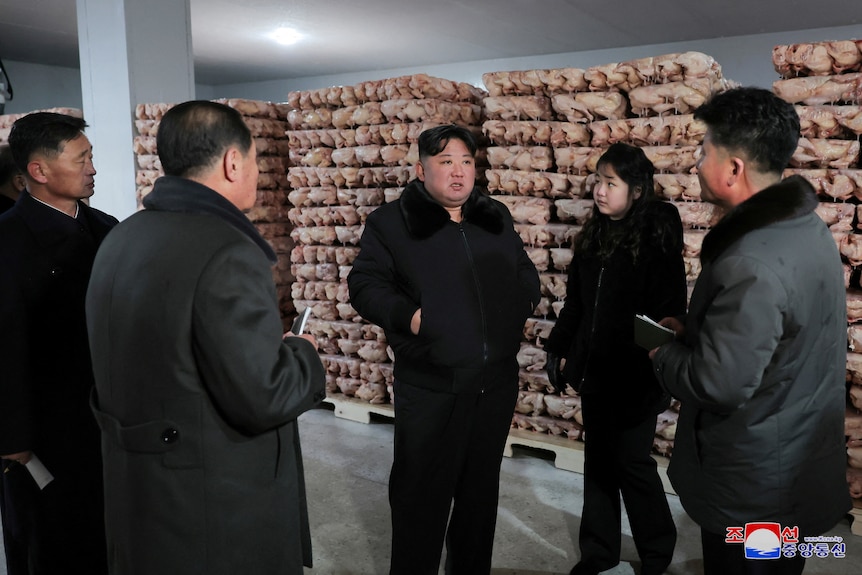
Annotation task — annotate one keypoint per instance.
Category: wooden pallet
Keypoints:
(856, 514)
(568, 453)
(358, 410)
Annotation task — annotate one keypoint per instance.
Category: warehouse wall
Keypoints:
(38, 87)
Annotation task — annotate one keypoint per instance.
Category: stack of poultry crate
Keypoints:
(268, 124)
(6, 120)
(352, 148)
(824, 81)
(548, 129)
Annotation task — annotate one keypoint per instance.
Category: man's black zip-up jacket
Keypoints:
(473, 280)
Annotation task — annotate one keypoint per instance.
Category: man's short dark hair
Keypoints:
(193, 135)
(755, 123)
(433, 140)
(8, 169)
(42, 133)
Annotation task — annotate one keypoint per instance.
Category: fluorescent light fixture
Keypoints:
(286, 36)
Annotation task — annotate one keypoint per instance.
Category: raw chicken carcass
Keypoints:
(534, 82)
(585, 107)
(843, 122)
(824, 153)
(527, 183)
(438, 111)
(360, 196)
(817, 58)
(677, 186)
(529, 133)
(692, 241)
(698, 214)
(553, 285)
(673, 97)
(854, 482)
(577, 210)
(530, 402)
(531, 358)
(547, 234)
(626, 76)
(563, 406)
(301, 196)
(374, 393)
(523, 158)
(673, 159)
(677, 130)
(537, 329)
(838, 216)
(561, 258)
(821, 90)
(853, 426)
(527, 210)
(518, 108)
(577, 160)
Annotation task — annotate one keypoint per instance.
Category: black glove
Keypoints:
(555, 374)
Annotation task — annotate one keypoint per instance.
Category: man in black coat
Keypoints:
(47, 244)
(444, 273)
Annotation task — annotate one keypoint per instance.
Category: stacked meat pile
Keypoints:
(548, 129)
(824, 81)
(268, 125)
(6, 120)
(352, 148)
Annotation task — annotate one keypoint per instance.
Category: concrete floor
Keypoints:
(347, 468)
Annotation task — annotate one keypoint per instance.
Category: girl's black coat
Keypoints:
(595, 329)
(474, 282)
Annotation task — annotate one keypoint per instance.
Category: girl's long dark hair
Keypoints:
(598, 237)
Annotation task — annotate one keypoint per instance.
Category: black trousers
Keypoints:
(57, 530)
(617, 462)
(448, 451)
(720, 558)
(14, 477)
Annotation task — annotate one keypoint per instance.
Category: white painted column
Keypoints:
(131, 52)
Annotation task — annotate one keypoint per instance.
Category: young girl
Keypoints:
(627, 260)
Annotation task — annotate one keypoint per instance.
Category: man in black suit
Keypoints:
(47, 244)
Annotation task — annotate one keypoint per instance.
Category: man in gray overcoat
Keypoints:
(197, 393)
(760, 365)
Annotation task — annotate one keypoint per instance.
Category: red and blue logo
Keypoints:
(762, 540)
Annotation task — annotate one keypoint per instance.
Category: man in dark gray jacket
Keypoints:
(759, 365)
(197, 392)
(444, 273)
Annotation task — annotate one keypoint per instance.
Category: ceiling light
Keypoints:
(286, 36)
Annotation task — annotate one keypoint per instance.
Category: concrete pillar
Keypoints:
(131, 52)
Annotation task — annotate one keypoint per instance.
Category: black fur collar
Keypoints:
(791, 198)
(424, 216)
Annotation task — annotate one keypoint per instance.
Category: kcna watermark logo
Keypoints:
(767, 540)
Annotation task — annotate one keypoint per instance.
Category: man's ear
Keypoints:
(736, 171)
(420, 171)
(36, 170)
(231, 164)
(19, 182)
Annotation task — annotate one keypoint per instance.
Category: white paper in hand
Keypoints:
(649, 334)
(40, 473)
